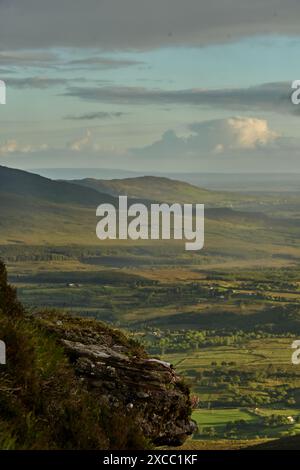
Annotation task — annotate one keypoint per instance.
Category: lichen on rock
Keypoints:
(117, 370)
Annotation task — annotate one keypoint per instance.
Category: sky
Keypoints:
(164, 85)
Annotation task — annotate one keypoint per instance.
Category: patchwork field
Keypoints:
(225, 317)
(227, 330)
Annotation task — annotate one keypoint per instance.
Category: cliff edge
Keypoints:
(75, 383)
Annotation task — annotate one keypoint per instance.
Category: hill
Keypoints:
(284, 443)
(38, 210)
(29, 185)
(156, 188)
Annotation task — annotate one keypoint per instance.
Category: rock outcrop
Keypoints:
(117, 370)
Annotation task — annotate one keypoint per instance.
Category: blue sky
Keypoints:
(224, 103)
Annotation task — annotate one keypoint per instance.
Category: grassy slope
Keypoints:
(29, 185)
(285, 443)
(36, 210)
(43, 405)
(38, 221)
(170, 190)
(158, 189)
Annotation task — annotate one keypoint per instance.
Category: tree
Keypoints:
(211, 432)
(164, 344)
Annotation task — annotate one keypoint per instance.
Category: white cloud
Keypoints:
(233, 134)
(14, 147)
(214, 137)
(236, 144)
(84, 142)
(249, 132)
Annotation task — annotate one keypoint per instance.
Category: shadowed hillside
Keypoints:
(286, 443)
(29, 185)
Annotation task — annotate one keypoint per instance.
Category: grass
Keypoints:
(43, 404)
(219, 418)
(258, 352)
(256, 356)
(221, 444)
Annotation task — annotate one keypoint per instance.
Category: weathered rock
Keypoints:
(118, 370)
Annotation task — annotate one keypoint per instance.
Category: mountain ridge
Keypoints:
(24, 183)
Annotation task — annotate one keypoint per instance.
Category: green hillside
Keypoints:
(158, 189)
(154, 188)
(29, 185)
(38, 211)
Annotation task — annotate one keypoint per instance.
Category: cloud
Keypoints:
(87, 145)
(237, 144)
(273, 97)
(233, 133)
(40, 83)
(43, 82)
(220, 136)
(5, 71)
(28, 58)
(59, 61)
(95, 115)
(13, 147)
(140, 24)
(83, 142)
(103, 63)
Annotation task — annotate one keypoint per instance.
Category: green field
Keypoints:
(220, 418)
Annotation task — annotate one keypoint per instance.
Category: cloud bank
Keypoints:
(140, 24)
(209, 138)
(271, 97)
(236, 144)
(102, 115)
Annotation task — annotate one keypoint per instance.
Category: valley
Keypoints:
(225, 317)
